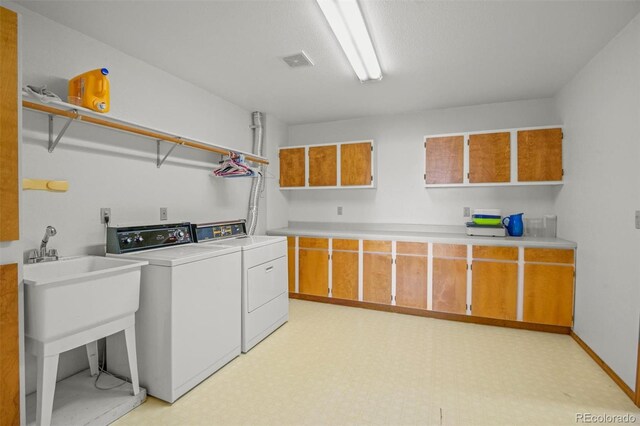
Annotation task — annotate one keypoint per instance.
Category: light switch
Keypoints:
(637, 219)
(339, 210)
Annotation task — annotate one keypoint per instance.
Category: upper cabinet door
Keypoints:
(540, 155)
(444, 159)
(490, 158)
(292, 167)
(9, 222)
(355, 164)
(323, 165)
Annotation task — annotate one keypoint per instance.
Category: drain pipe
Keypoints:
(257, 185)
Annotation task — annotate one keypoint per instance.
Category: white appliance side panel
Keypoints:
(266, 282)
(206, 314)
(263, 321)
(260, 255)
(153, 335)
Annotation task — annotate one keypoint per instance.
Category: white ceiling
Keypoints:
(433, 54)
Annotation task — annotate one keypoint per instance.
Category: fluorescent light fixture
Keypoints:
(347, 23)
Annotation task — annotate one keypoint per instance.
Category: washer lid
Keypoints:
(248, 243)
(179, 255)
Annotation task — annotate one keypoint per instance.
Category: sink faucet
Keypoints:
(44, 255)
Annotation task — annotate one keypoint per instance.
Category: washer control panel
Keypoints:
(218, 230)
(134, 238)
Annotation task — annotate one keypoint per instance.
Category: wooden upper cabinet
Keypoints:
(292, 167)
(355, 164)
(323, 165)
(9, 204)
(540, 155)
(444, 159)
(490, 158)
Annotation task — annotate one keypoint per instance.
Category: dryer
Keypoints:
(265, 298)
(189, 322)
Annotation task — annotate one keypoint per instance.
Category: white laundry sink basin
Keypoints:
(69, 295)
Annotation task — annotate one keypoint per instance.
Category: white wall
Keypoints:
(110, 169)
(400, 196)
(600, 109)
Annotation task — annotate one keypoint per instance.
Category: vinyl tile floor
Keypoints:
(334, 365)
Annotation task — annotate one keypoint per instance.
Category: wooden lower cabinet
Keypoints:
(9, 346)
(377, 277)
(450, 285)
(313, 271)
(411, 281)
(494, 290)
(291, 259)
(548, 294)
(344, 275)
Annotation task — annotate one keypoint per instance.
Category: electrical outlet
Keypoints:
(164, 215)
(466, 212)
(339, 210)
(105, 215)
(637, 219)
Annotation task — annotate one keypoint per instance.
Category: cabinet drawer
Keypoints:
(347, 245)
(450, 250)
(320, 243)
(547, 255)
(420, 249)
(495, 253)
(266, 282)
(376, 246)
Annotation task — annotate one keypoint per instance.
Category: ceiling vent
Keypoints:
(298, 60)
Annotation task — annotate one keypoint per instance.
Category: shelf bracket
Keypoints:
(53, 143)
(160, 162)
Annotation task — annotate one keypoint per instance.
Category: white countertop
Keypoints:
(417, 233)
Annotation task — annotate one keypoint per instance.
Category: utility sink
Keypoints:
(73, 294)
(72, 302)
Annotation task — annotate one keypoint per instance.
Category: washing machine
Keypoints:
(189, 322)
(265, 297)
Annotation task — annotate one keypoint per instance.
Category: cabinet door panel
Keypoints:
(490, 158)
(495, 253)
(494, 290)
(323, 165)
(344, 278)
(9, 204)
(313, 273)
(420, 249)
(540, 155)
(548, 294)
(450, 285)
(9, 344)
(292, 167)
(377, 278)
(291, 259)
(445, 157)
(411, 281)
(355, 164)
(350, 245)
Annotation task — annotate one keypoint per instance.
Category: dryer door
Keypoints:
(265, 282)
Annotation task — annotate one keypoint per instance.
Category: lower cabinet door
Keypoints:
(344, 275)
(411, 281)
(494, 290)
(377, 278)
(450, 285)
(291, 259)
(548, 294)
(313, 272)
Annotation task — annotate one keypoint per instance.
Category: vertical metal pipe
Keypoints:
(257, 185)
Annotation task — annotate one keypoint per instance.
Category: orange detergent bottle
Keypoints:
(90, 90)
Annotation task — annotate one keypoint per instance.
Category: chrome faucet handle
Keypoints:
(52, 253)
(34, 255)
